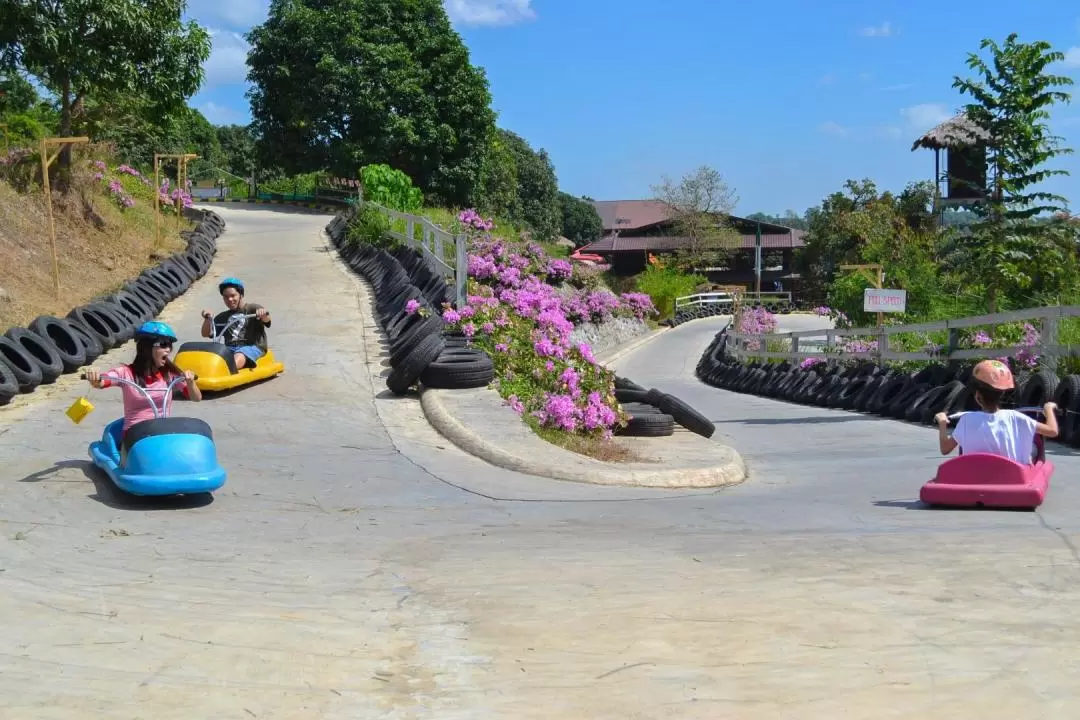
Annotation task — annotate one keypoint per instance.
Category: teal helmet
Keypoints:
(231, 282)
(155, 330)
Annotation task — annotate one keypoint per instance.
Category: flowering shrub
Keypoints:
(756, 321)
(522, 310)
(115, 188)
(809, 363)
(839, 319)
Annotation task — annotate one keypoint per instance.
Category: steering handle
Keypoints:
(166, 400)
(82, 376)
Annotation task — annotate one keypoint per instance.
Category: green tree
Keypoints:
(580, 220)
(238, 148)
(789, 219)
(339, 84)
(1011, 101)
(83, 48)
(700, 205)
(496, 192)
(537, 205)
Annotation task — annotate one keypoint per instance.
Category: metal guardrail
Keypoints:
(1048, 346)
(449, 252)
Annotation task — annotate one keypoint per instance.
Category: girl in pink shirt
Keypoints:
(151, 369)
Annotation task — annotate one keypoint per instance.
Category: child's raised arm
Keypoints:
(946, 443)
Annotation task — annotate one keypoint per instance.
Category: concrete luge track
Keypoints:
(357, 566)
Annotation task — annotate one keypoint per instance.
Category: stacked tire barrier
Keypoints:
(654, 413)
(51, 346)
(865, 387)
(422, 348)
(706, 310)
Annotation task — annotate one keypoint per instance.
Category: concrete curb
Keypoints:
(581, 469)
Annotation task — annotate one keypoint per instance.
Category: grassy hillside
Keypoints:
(104, 237)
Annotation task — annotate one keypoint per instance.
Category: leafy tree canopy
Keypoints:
(93, 51)
(580, 220)
(339, 84)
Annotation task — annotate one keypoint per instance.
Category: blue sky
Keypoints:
(787, 99)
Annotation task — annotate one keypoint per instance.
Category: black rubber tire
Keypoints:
(120, 324)
(1038, 390)
(882, 400)
(848, 394)
(408, 373)
(91, 344)
(96, 323)
(873, 384)
(946, 400)
(403, 346)
(146, 294)
(459, 370)
(169, 278)
(636, 408)
(681, 413)
(27, 371)
(9, 385)
(622, 383)
(648, 425)
(41, 350)
(917, 406)
(133, 306)
(155, 285)
(61, 336)
(902, 401)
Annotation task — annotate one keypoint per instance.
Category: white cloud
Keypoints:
(233, 14)
(227, 64)
(1072, 57)
(833, 128)
(885, 29)
(221, 115)
(927, 115)
(490, 12)
(896, 88)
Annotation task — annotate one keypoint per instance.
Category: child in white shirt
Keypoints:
(1007, 433)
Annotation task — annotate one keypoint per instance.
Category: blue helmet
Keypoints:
(155, 330)
(231, 282)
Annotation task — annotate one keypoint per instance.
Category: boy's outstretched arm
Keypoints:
(945, 442)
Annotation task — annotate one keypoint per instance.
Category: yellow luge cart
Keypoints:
(214, 366)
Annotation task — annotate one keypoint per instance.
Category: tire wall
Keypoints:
(52, 346)
(867, 388)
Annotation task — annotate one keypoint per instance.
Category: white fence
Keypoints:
(449, 252)
(755, 346)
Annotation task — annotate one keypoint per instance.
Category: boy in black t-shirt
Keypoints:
(246, 337)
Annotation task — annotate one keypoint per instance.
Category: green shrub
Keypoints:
(370, 226)
(390, 188)
(663, 284)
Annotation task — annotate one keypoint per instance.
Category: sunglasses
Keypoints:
(163, 344)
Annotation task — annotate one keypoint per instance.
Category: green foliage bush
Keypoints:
(390, 188)
(665, 283)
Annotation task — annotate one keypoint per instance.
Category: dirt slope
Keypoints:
(99, 246)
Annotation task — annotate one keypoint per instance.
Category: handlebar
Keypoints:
(166, 400)
(219, 336)
(1031, 409)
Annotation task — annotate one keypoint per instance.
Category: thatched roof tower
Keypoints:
(959, 132)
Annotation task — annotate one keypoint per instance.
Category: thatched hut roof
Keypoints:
(959, 132)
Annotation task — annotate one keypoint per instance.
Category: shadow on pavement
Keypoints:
(794, 421)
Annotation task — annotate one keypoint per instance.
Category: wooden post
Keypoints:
(46, 161)
(157, 201)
